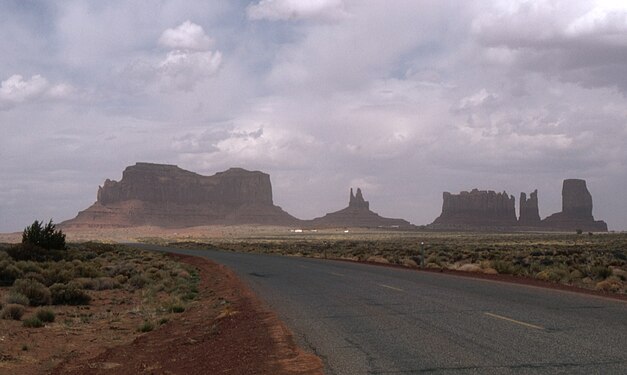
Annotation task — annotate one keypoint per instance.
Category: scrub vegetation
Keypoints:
(31, 276)
(590, 261)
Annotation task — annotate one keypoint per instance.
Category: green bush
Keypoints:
(32, 252)
(45, 315)
(504, 267)
(125, 269)
(553, 274)
(28, 266)
(32, 322)
(69, 294)
(36, 292)
(58, 273)
(600, 272)
(86, 283)
(14, 312)
(9, 273)
(86, 269)
(47, 237)
(177, 309)
(34, 276)
(146, 327)
(16, 299)
(138, 281)
(106, 283)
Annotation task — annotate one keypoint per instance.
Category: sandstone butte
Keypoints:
(487, 210)
(357, 214)
(170, 197)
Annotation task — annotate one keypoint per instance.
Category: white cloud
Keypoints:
(187, 36)
(609, 19)
(183, 69)
(60, 91)
(189, 61)
(16, 90)
(482, 97)
(274, 10)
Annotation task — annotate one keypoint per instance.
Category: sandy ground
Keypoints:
(226, 330)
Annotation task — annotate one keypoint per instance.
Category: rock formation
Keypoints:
(358, 201)
(576, 209)
(487, 210)
(529, 212)
(358, 214)
(477, 209)
(168, 196)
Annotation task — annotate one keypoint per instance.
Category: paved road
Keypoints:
(363, 319)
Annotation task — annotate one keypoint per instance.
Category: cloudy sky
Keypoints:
(403, 98)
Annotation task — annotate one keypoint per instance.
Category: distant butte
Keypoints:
(168, 196)
(488, 211)
(358, 214)
(576, 209)
(476, 209)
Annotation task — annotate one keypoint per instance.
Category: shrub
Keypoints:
(69, 294)
(100, 283)
(552, 274)
(60, 272)
(600, 272)
(34, 276)
(106, 283)
(146, 327)
(126, 269)
(86, 283)
(611, 284)
(16, 299)
(504, 267)
(86, 270)
(138, 281)
(47, 237)
(9, 273)
(26, 251)
(28, 266)
(36, 292)
(14, 312)
(32, 322)
(576, 275)
(177, 309)
(45, 315)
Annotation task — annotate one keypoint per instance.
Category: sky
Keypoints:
(405, 99)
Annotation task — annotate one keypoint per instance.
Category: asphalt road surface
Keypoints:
(363, 319)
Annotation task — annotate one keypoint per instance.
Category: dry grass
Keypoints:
(591, 261)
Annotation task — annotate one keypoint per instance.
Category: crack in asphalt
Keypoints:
(304, 341)
(370, 360)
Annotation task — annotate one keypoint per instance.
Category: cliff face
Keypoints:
(476, 209)
(168, 196)
(158, 183)
(357, 214)
(576, 209)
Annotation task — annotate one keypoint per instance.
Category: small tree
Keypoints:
(47, 237)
